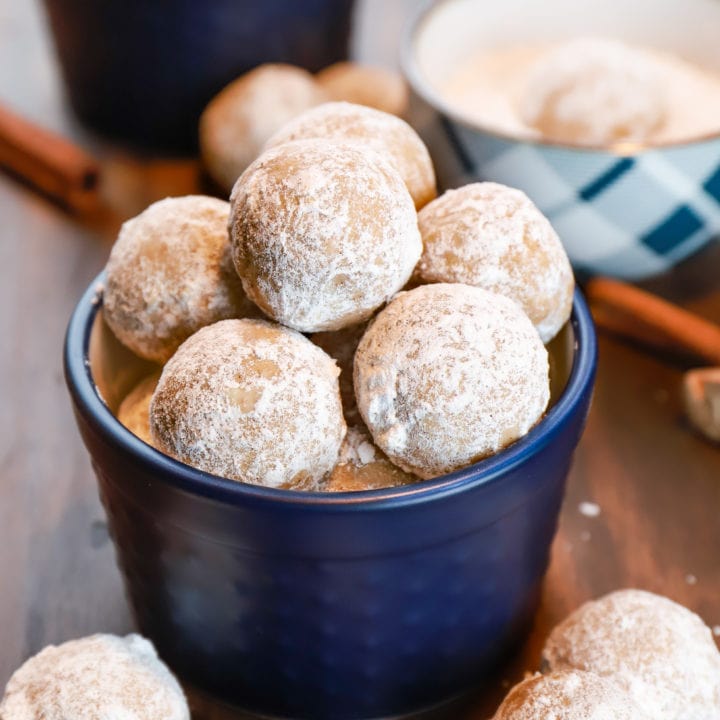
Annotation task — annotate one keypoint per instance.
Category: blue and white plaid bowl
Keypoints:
(632, 212)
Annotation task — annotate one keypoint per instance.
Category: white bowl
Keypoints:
(632, 211)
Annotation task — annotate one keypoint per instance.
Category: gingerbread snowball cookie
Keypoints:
(239, 120)
(170, 273)
(594, 91)
(369, 85)
(658, 652)
(448, 374)
(95, 678)
(251, 401)
(493, 236)
(569, 695)
(390, 136)
(322, 233)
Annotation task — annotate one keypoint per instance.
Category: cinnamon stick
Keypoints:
(47, 161)
(638, 315)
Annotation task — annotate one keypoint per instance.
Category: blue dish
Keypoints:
(310, 605)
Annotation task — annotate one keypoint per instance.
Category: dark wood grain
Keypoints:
(657, 484)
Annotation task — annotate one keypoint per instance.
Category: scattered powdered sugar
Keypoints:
(447, 374)
(251, 401)
(569, 695)
(239, 120)
(589, 509)
(389, 136)
(357, 448)
(170, 273)
(691, 579)
(365, 453)
(322, 233)
(494, 237)
(716, 630)
(100, 677)
(363, 466)
(659, 652)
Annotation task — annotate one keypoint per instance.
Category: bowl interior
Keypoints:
(115, 369)
(453, 31)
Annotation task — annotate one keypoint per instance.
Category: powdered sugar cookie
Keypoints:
(390, 136)
(657, 651)
(569, 695)
(170, 273)
(493, 236)
(448, 374)
(594, 91)
(251, 401)
(95, 678)
(322, 233)
(240, 118)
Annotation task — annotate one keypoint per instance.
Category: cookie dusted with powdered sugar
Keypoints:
(657, 651)
(240, 118)
(389, 136)
(568, 695)
(95, 678)
(170, 273)
(251, 401)
(322, 233)
(369, 85)
(594, 91)
(494, 237)
(448, 374)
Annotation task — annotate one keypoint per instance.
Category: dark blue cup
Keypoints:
(143, 70)
(310, 605)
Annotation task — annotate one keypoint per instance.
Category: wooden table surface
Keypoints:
(656, 483)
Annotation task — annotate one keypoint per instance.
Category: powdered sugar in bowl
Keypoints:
(506, 92)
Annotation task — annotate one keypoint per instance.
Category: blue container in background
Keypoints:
(342, 606)
(144, 70)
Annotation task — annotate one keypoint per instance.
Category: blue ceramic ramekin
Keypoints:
(310, 605)
(631, 211)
